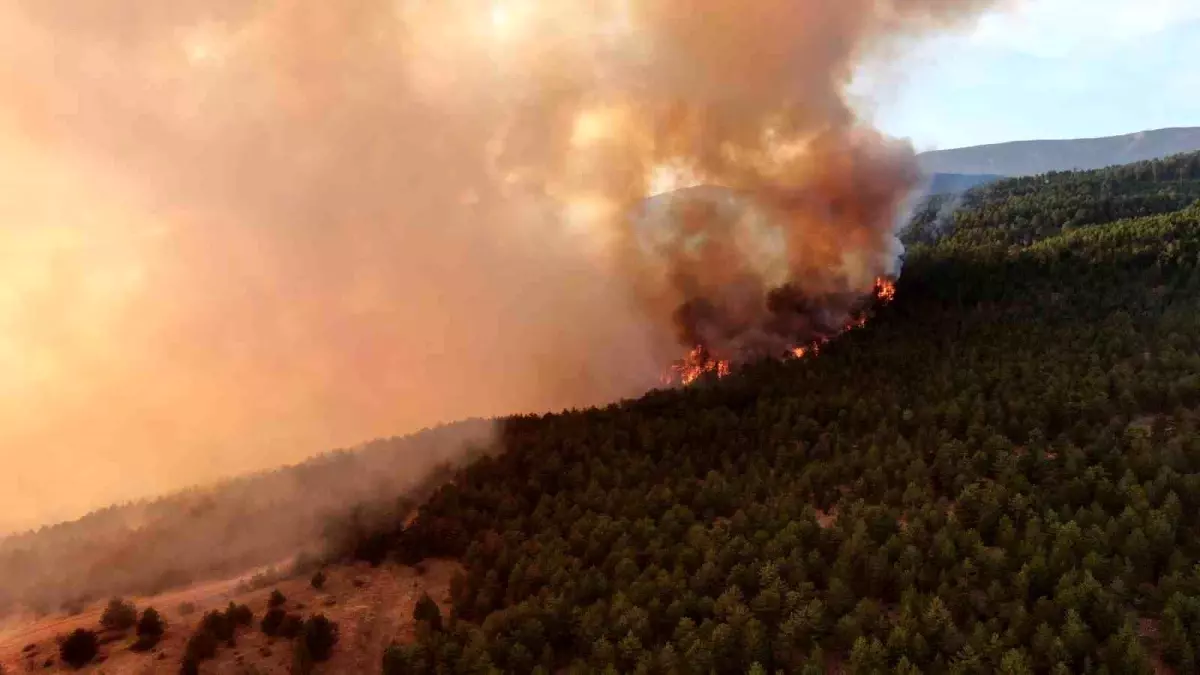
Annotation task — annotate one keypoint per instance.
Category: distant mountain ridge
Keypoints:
(1027, 158)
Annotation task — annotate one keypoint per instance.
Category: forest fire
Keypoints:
(885, 290)
(700, 362)
(695, 365)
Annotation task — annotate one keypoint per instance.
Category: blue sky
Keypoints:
(1048, 69)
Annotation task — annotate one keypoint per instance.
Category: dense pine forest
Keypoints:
(999, 473)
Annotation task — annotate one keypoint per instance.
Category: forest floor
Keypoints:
(372, 606)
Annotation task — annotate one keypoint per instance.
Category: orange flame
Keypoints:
(885, 290)
(695, 365)
(698, 362)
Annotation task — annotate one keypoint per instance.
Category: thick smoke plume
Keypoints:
(235, 232)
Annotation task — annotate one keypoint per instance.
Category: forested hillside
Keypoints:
(1020, 211)
(999, 473)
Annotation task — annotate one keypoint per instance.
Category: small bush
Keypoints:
(272, 621)
(239, 615)
(291, 626)
(150, 629)
(119, 615)
(201, 646)
(320, 635)
(218, 625)
(318, 580)
(186, 608)
(277, 599)
(151, 623)
(79, 648)
(428, 611)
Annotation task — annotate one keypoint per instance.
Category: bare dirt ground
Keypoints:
(372, 606)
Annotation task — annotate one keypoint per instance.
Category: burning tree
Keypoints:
(703, 360)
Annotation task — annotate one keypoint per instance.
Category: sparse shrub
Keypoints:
(318, 580)
(277, 599)
(216, 624)
(119, 615)
(320, 635)
(428, 611)
(272, 620)
(201, 646)
(291, 626)
(186, 608)
(239, 615)
(150, 629)
(79, 648)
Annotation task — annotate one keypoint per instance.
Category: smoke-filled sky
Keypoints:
(237, 232)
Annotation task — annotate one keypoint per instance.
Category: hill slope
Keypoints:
(218, 531)
(371, 607)
(1023, 210)
(999, 473)
(1025, 158)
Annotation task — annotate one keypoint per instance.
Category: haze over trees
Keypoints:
(223, 530)
(999, 473)
(1027, 158)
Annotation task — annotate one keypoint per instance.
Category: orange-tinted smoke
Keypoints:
(236, 232)
(773, 208)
